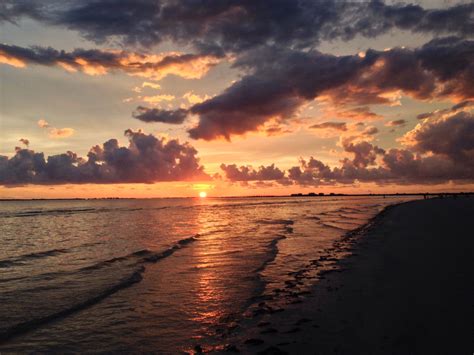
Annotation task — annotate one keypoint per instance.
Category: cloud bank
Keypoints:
(147, 159)
(431, 157)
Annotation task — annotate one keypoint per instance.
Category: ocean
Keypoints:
(162, 275)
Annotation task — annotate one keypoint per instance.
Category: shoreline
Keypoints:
(393, 294)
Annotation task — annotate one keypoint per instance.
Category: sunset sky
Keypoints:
(166, 98)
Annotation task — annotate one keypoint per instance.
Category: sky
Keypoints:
(163, 98)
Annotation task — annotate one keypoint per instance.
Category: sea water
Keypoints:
(160, 275)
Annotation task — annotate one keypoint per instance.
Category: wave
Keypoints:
(272, 253)
(69, 211)
(35, 323)
(22, 259)
(348, 221)
(329, 225)
(275, 221)
(273, 246)
(25, 257)
(33, 213)
(251, 204)
(137, 261)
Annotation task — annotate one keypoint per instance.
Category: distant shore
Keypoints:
(408, 289)
(311, 194)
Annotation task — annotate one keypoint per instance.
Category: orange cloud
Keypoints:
(347, 132)
(60, 132)
(157, 99)
(90, 68)
(100, 62)
(10, 60)
(360, 113)
(396, 123)
(147, 84)
(193, 98)
(54, 132)
(157, 66)
(43, 123)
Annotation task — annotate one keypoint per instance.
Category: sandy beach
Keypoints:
(407, 289)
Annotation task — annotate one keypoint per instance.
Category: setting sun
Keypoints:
(203, 194)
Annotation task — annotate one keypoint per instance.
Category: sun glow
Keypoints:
(203, 194)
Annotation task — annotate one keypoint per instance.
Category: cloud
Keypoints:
(43, 123)
(60, 132)
(54, 132)
(396, 123)
(276, 128)
(278, 84)
(338, 126)
(156, 99)
(442, 68)
(247, 173)
(337, 110)
(237, 26)
(431, 157)
(5, 58)
(100, 62)
(273, 48)
(146, 114)
(396, 166)
(147, 159)
(451, 136)
(347, 132)
(194, 98)
(462, 106)
(365, 153)
(147, 84)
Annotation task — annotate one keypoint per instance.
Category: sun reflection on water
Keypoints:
(210, 297)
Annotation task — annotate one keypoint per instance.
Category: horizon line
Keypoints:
(294, 195)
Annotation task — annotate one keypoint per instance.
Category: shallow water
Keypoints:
(161, 274)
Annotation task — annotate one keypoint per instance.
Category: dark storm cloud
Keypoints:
(276, 89)
(13, 10)
(450, 136)
(147, 159)
(157, 115)
(236, 25)
(272, 45)
(282, 80)
(51, 56)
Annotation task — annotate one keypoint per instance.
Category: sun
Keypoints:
(203, 194)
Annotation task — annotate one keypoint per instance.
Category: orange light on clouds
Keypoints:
(6, 59)
(91, 69)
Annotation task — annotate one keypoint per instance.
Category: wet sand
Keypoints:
(408, 289)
